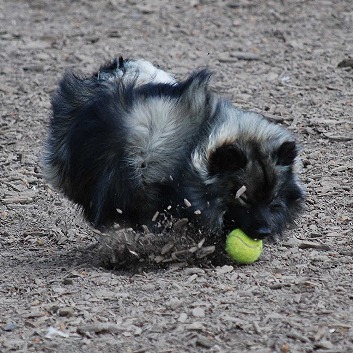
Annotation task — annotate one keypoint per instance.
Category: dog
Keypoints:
(132, 141)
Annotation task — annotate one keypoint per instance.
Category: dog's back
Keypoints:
(118, 141)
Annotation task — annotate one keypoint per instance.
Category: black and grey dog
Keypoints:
(131, 141)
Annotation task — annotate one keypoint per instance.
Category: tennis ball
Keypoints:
(241, 248)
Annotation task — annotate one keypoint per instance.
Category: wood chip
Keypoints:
(15, 200)
(240, 191)
(187, 203)
(167, 247)
(313, 245)
(338, 138)
(180, 223)
(155, 216)
(99, 328)
(203, 252)
(238, 55)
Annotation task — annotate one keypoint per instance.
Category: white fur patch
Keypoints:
(144, 72)
(241, 126)
(237, 126)
(158, 129)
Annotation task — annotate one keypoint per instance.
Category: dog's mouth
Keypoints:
(252, 222)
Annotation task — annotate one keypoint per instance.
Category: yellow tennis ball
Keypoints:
(241, 248)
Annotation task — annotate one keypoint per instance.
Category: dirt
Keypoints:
(289, 60)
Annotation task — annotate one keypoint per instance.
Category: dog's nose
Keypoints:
(262, 232)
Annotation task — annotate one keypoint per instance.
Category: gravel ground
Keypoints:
(291, 61)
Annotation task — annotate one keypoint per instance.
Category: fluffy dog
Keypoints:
(131, 140)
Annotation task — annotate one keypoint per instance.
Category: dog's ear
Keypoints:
(195, 92)
(287, 153)
(226, 158)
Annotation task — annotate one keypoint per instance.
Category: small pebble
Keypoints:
(203, 342)
(174, 303)
(10, 326)
(68, 281)
(66, 311)
(198, 312)
(182, 317)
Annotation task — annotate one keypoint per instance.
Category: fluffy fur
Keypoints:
(131, 140)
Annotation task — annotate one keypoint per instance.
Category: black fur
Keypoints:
(130, 141)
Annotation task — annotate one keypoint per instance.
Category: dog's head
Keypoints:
(249, 169)
(261, 189)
